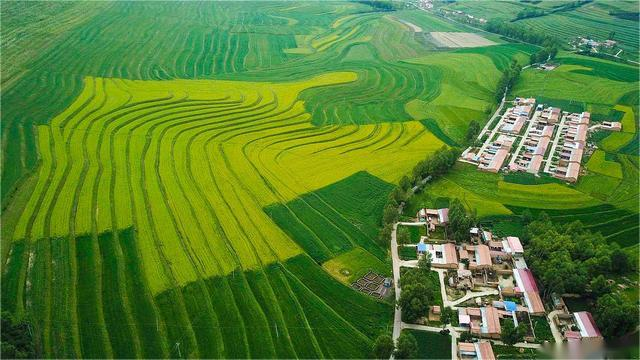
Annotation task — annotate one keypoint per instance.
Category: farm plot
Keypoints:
(232, 41)
(337, 218)
(599, 164)
(593, 84)
(353, 265)
(490, 195)
(190, 165)
(459, 39)
(591, 20)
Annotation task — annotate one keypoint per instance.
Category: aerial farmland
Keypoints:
(299, 179)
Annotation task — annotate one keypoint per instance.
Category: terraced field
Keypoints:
(594, 20)
(189, 165)
(189, 180)
(597, 20)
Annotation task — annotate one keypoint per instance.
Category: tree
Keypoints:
(527, 217)
(424, 264)
(599, 286)
(447, 315)
(615, 317)
(472, 131)
(390, 214)
(398, 195)
(16, 342)
(384, 236)
(383, 347)
(459, 222)
(622, 261)
(466, 336)
(406, 347)
(403, 236)
(511, 334)
(414, 301)
(405, 183)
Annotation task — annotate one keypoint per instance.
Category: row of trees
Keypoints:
(508, 79)
(460, 221)
(406, 348)
(517, 32)
(472, 132)
(548, 52)
(417, 291)
(379, 5)
(435, 165)
(536, 12)
(568, 258)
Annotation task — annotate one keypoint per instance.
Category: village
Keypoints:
(485, 280)
(537, 139)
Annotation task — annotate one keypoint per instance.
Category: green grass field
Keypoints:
(594, 19)
(190, 179)
(432, 345)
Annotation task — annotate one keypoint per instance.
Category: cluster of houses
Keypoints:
(489, 262)
(572, 138)
(479, 350)
(536, 141)
(460, 13)
(551, 137)
(582, 41)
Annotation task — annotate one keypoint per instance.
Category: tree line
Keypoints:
(508, 79)
(548, 52)
(406, 347)
(433, 166)
(521, 33)
(532, 12)
(568, 258)
(383, 6)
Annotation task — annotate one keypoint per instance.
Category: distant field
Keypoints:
(597, 19)
(489, 195)
(191, 179)
(459, 39)
(593, 20)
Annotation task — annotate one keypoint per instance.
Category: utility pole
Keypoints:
(178, 348)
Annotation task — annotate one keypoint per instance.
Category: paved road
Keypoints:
(418, 223)
(486, 126)
(557, 336)
(532, 121)
(471, 295)
(397, 318)
(556, 139)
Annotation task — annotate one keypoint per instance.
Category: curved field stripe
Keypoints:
(234, 334)
(188, 167)
(120, 326)
(298, 326)
(94, 341)
(336, 337)
(143, 309)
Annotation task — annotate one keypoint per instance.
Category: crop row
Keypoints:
(188, 167)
